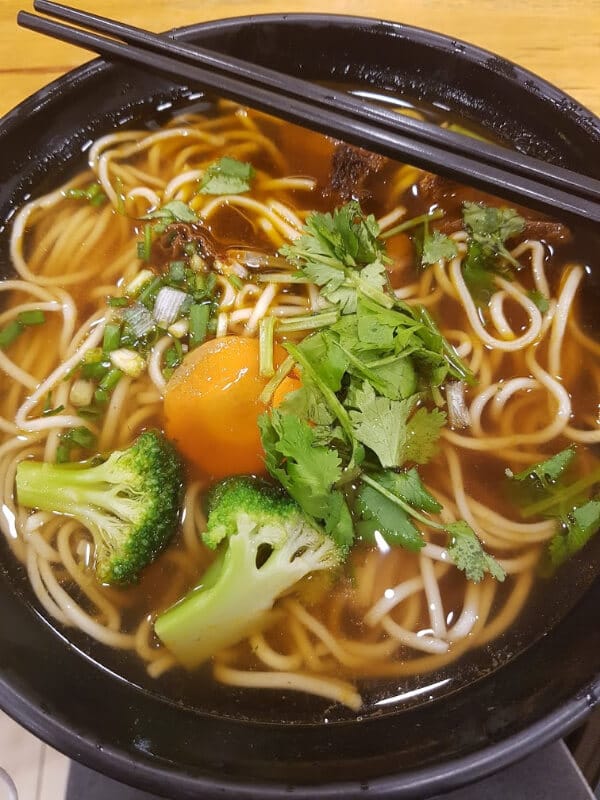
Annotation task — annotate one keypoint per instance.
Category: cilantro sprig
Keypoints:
(489, 229)
(346, 445)
(464, 546)
(342, 254)
(551, 489)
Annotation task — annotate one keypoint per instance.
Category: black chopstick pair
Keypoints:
(502, 171)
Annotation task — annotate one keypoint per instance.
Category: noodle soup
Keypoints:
(396, 622)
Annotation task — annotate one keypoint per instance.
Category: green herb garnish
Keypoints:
(487, 255)
(227, 176)
(15, 327)
(92, 193)
(79, 437)
(549, 489)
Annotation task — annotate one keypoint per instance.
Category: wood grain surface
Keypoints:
(557, 39)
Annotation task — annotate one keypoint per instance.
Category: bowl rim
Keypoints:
(435, 779)
(440, 777)
(474, 53)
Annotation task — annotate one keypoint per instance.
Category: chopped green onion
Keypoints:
(101, 397)
(168, 305)
(204, 285)
(88, 412)
(174, 355)
(10, 332)
(117, 302)
(120, 195)
(93, 194)
(75, 437)
(139, 319)
(107, 384)
(51, 412)
(93, 355)
(15, 327)
(199, 316)
(412, 223)
(197, 263)
(96, 370)
(177, 271)
(148, 294)
(236, 282)
(180, 328)
(307, 322)
(33, 317)
(266, 330)
(128, 361)
(112, 337)
(137, 283)
(81, 393)
(82, 436)
(282, 372)
(144, 249)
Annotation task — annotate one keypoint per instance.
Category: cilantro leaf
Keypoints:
(334, 285)
(227, 176)
(397, 378)
(422, 434)
(307, 471)
(381, 424)
(174, 211)
(326, 357)
(550, 470)
(556, 495)
(307, 403)
(379, 514)
(492, 227)
(437, 246)
(384, 426)
(578, 528)
(409, 487)
(468, 555)
(489, 228)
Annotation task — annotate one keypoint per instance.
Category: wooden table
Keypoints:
(558, 39)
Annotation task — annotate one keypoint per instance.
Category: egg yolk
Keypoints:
(212, 406)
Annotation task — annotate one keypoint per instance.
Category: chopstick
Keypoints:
(328, 98)
(507, 174)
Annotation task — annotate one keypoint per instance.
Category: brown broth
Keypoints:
(305, 153)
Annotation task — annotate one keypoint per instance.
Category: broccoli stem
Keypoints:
(223, 609)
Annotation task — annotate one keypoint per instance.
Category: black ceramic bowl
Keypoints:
(137, 736)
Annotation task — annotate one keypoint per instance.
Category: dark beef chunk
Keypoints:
(436, 190)
(349, 169)
(170, 245)
(553, 233)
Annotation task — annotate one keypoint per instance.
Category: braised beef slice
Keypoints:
(436, 190)
(350, 167)
(170, 245)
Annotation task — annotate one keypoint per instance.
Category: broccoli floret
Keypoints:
(268, 545)
(129, 502)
